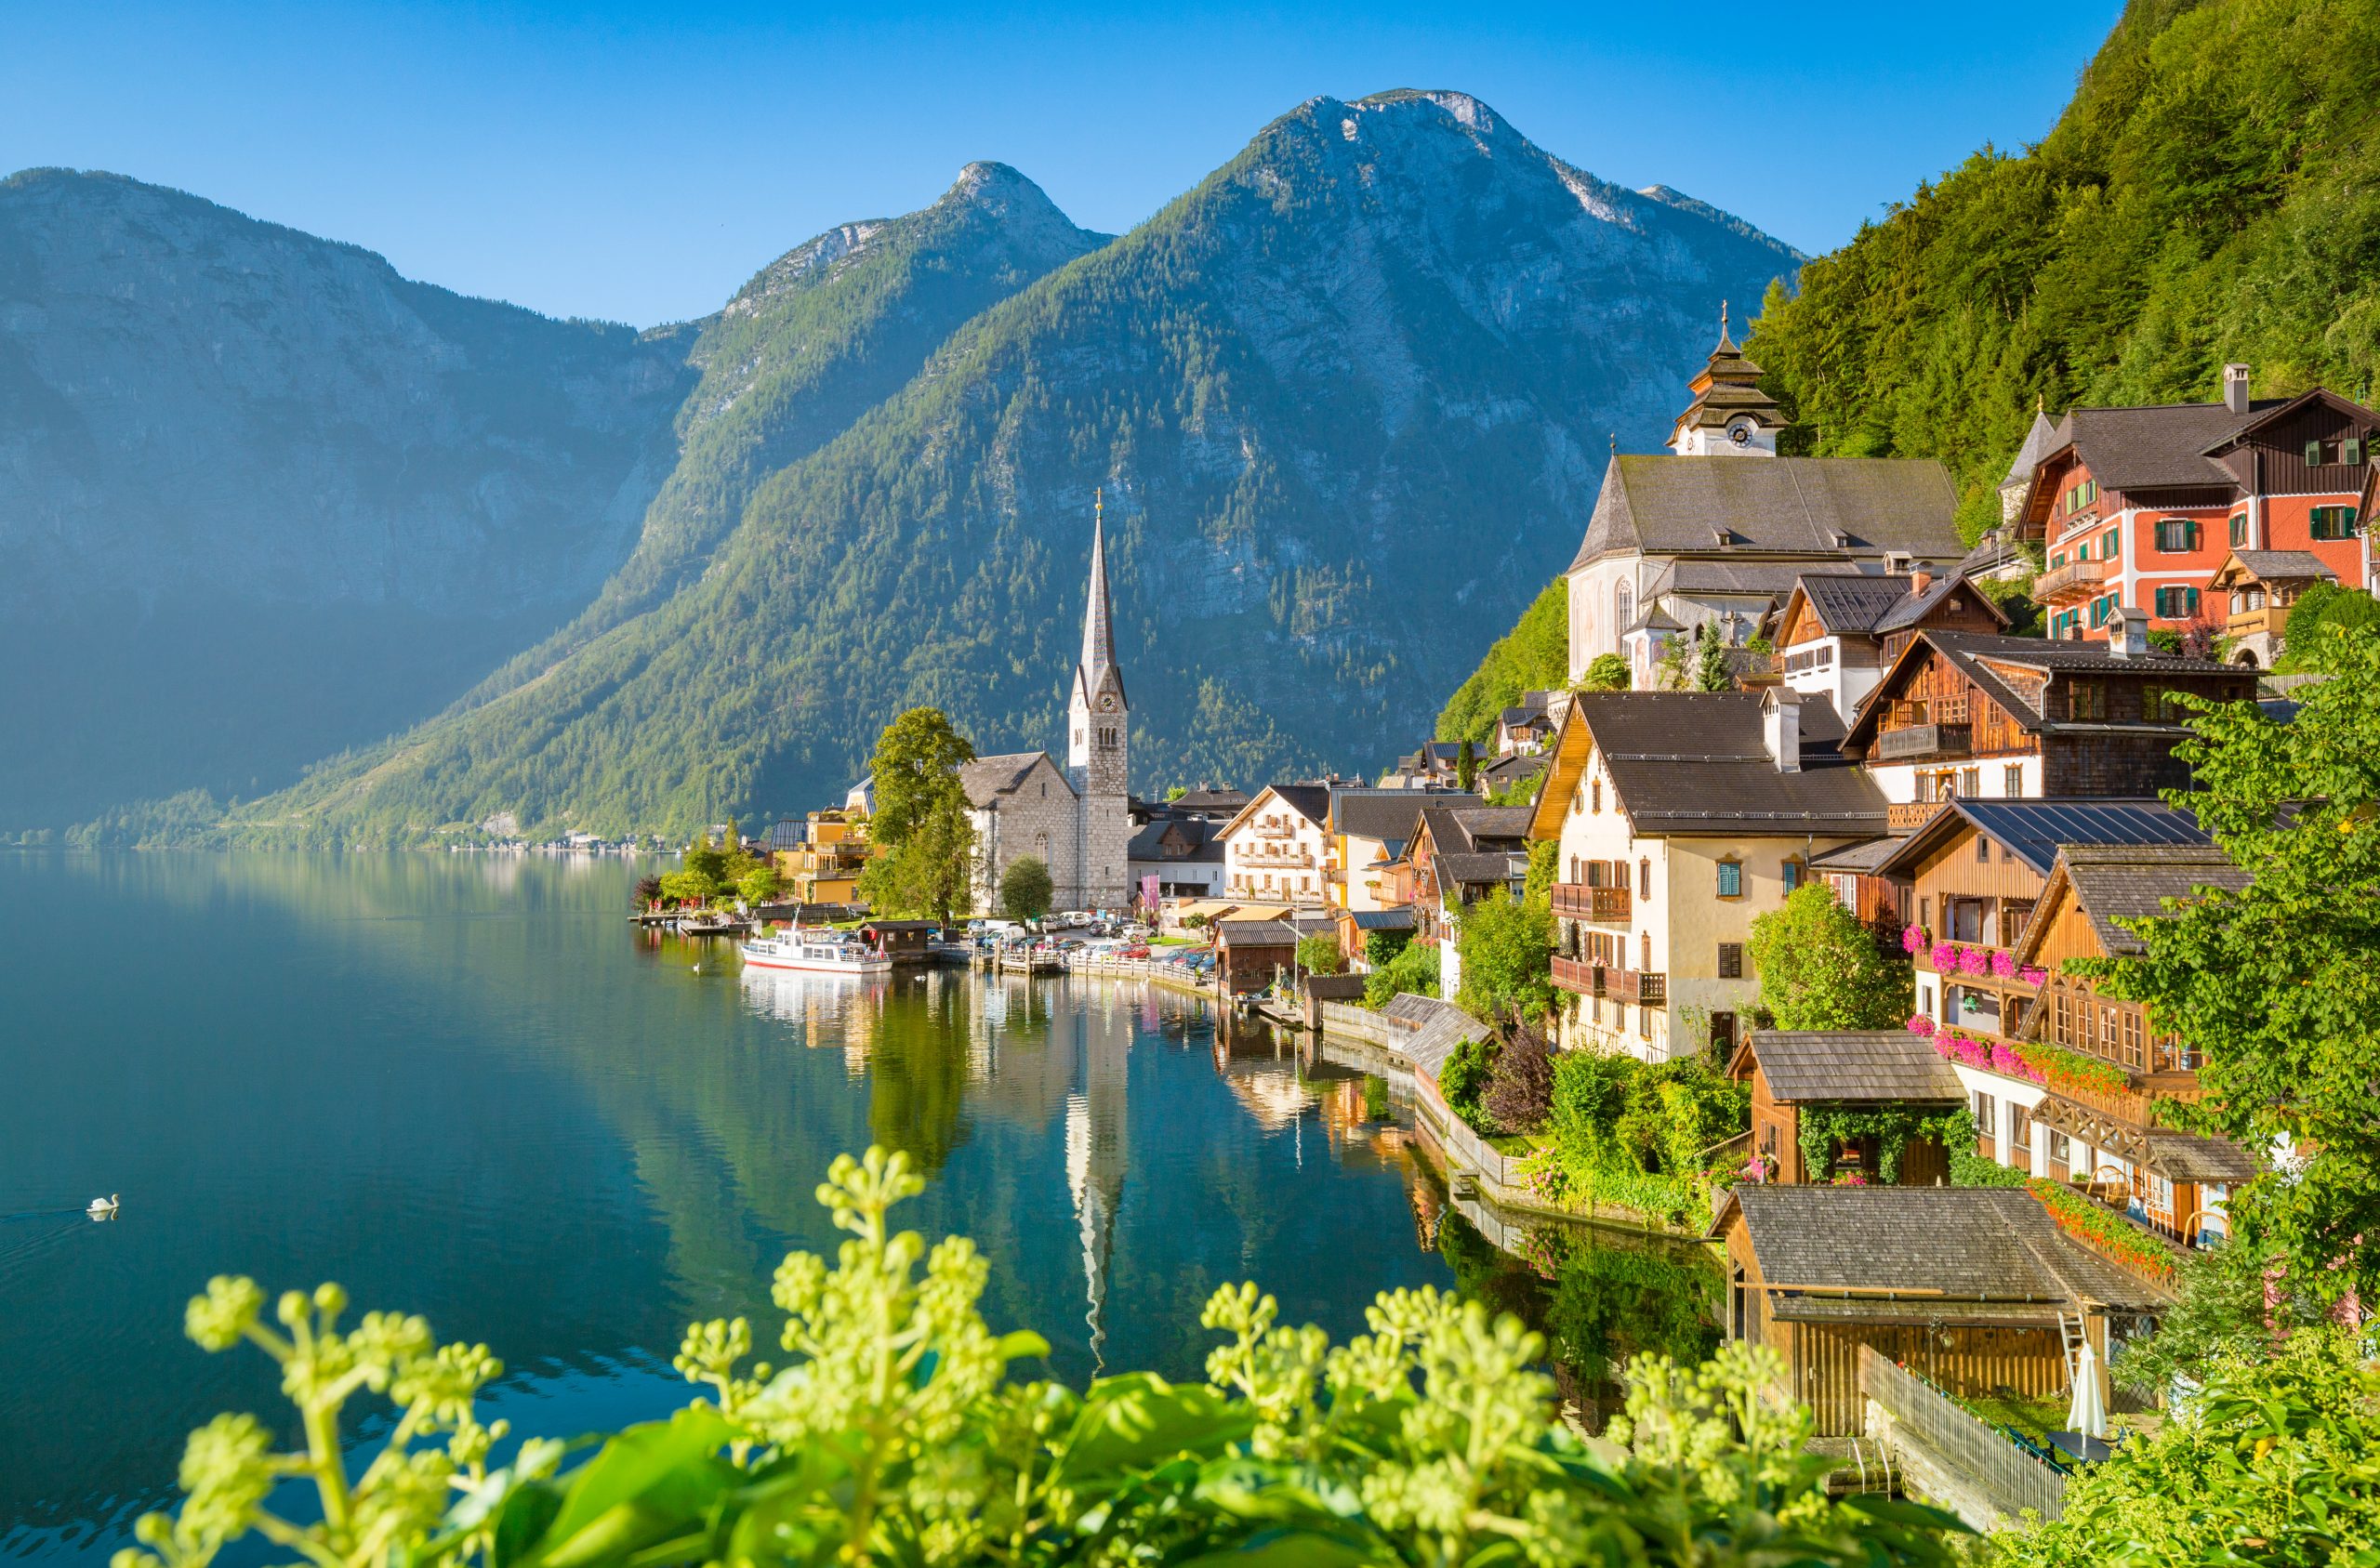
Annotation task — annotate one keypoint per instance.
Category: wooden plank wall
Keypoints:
(1825, 1359)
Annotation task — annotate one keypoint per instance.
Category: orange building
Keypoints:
(2141, 507)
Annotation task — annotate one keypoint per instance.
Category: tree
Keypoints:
(1412, 971)
(1466, 764)
(915, 771)
(2321, 606)
(1175, 792)
(2277, 983)
(1506, 945)
(1026, 890)
(921, 832)
(647, 889)
(1381, 948)
(1463, 1078)
(1605, 672)
(1820, 968)
(1710, 660)
(759, 885)
(1320, 954)
(1520, 1085)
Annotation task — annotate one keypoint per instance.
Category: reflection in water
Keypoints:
(464, 1086)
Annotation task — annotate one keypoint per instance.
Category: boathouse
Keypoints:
(1799, 1075)
(1249, 953)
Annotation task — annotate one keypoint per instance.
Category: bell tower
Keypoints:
(1730, 413)
(1098, 724)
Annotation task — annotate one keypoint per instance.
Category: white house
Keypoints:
(1278, 846)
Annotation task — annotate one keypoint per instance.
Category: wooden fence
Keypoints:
(1962, 1447)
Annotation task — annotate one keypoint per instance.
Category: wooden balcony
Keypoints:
(1923, 740)
(1908, 816)
(1576, 900)
(1636, 985)
(2271, 621)
(2074, 576)
(1577, 977)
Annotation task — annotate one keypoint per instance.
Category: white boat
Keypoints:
(810, 953)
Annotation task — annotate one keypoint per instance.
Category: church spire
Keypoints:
(1098, 625)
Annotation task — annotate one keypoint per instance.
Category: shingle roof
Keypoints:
(2160, 446)
(2284, 565)
(1694, 763)
(1224, 800)
(1195, 835)
(1387, 814)
(2032, 830)
(1943, 1244)
(987, 778)
(2181, 1156)
(1885, 1064)
(1431, 1029)
(1311, 801)
(2113, 882)
(1979, 655)
(1918, 605)
(1863, 857)
(1496, 868)
(1853, 601)
(2040, 441)
(1774, 578)
(1255, 933)
(1668, 505)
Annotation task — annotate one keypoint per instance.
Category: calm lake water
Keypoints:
(464, 1086)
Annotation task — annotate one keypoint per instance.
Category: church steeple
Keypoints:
(1729, 414)
(1098, 625)
(1097, 713)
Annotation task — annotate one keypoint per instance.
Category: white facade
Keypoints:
(2010, 778)
(1817, 668)
(1273, 850)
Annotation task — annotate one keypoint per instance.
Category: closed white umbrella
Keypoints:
(2089, 1415)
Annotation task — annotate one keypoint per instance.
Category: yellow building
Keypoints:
(1682, 816)
(825, 868)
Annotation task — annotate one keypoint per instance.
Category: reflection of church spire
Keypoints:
(1096, 1152)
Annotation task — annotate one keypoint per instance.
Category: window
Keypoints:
(2314, 454)
(1623, 604)
(2061, 1150)
(2132, 1037)
(1970, 783)
(2060, 1027)
(2161, 1194)
(2086, 700)
(1643, 1021)
(1731, 879)
(2177, 535)
(2333, 522)
(2099, 611)
(2238, 531)
(2351, 452)
(1986, 1117)
(1731, 961)
(1645, 878)
(1792, 874)
(2177, 604)
(2020, 1137)
(1982, 850)
(2111, 544)
(1594, 797)
(2082, 495)
(2012, 780)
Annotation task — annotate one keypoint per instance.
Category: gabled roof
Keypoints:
(2032, 830)
(1177, 840)
(2272, 411)
(2114, 882)
(1807, 1066)
(989, 778)
(1837, 508)
(1310, 801)
(1491, 868)
(2273, 566)
(1696, 764)
(1850, 601)
(2040, 441)
(1921, 603)
(1387, 814)
(1943, 1245)
(1462, 830)
(2162, 446)
(1255, 933)
(1975, 654)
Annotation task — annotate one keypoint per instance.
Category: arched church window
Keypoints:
(1623, 606)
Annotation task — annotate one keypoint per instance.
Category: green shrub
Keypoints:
(1462, 1080)
(1413, 971)
(1320, 954)
(891, 1434)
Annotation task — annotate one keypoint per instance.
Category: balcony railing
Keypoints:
(2270, 621)
(1576, 900)
(1636, 985)
(2074, 575)
(1577, 977)
(1908, 816)
(1923, 740)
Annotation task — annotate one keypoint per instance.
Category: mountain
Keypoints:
(2212, 193)
(261, 498)
(1347, 400)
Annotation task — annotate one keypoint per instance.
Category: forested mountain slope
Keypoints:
(261, 497)
(1348, 401)
(2212, 193)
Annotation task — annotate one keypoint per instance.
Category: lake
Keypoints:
(465, 1086)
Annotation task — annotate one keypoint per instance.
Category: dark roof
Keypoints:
(1463, 830)
(1667, 505)
(1938, 592)
(1224, 801)
(1694, 762)
(2124, 882)
(1940, 1244)
(1491, 868)
(2181, 1156)
(1193, 839)
(1310, 801)
(987, 778)
(2158, 447)
(2267, 566)
(1973, 654)
(2032, 830)
(1883, 1064)
(2040, 439)
(1397, 919)
(1771, 578)
(1863, 857)
(1387, 814)
(1255, 933)
(1852, 601)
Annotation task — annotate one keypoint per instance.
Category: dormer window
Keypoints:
(1722, 538)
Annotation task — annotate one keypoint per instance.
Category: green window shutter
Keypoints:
(2313, 453)
(2351, 452)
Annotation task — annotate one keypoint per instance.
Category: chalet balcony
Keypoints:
(1908, 816)
(1576, 900)
(2073, 576)
(1924, 740)
(2270, 621)
(1636, 985)
(1577, 977)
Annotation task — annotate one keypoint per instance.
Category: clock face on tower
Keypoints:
(1107, 704)
(1740, 434)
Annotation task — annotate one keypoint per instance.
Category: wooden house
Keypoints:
(1964, 715)
(2258, 589)
(903, 942)
(1794, 1071)
(1839, 631)
(1975, 1288)
(1250, 953)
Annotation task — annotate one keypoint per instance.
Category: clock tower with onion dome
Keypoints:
(1730, 413)
(1098, 724)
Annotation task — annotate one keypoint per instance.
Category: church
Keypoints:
(1076, 820)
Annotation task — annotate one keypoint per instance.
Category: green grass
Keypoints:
(2036, 1418)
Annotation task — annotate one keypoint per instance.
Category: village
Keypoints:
(1822, 837)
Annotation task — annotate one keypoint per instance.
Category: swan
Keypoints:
(103, 1208)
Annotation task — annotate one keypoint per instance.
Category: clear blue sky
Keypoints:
(638, 162)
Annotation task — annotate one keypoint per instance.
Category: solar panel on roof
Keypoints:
(2035, 829)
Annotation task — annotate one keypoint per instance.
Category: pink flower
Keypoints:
(2032, 975)
(1945, 956)
(2002, 965)
(1911, 937)
(1975, 960)
(1920, 1024)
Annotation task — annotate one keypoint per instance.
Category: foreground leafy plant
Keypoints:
(893, 1434)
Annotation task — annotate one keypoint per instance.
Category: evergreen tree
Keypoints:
(1710, 661)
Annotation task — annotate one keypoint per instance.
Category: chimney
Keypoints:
(2235, 388)
(1919, 579)
(1780, 727)
(2128, 633)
